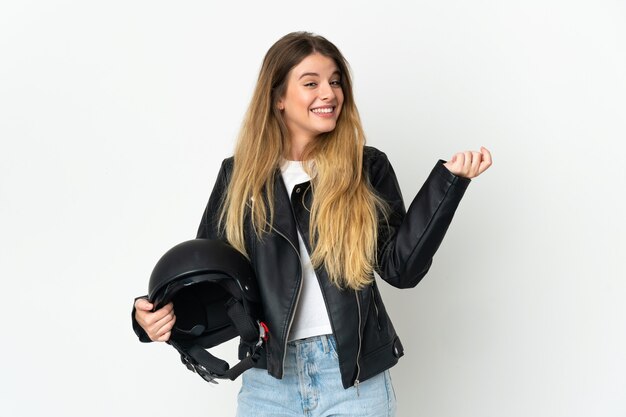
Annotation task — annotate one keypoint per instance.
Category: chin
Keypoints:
(328, 128)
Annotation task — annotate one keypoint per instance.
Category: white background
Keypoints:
(114, 117)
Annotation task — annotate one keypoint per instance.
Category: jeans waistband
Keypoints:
(324, 339)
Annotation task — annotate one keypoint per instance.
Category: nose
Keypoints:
(327, 92)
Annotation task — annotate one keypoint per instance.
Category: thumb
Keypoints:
(143, 304)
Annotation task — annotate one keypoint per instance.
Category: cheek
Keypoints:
(340, 98)
(307, 100)
(299, 104)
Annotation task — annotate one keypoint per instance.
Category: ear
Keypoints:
(280, 105)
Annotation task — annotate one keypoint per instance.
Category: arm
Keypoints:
(408, 240)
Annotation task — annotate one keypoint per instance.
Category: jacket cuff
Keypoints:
(451, 178)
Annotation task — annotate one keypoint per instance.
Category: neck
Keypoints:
(298, 143)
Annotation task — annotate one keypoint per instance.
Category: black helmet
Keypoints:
(216, 298)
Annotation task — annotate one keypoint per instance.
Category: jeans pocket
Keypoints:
(333, 347)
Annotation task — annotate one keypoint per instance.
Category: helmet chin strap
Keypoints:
(200, 361)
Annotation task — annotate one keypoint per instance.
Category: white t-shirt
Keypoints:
(311, 317)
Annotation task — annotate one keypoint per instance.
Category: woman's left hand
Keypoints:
(469, 164)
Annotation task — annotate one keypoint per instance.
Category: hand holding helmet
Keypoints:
(157, 324)
(216, 295)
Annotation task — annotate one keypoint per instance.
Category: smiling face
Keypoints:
(312, 103)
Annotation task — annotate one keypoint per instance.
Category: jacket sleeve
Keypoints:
(409, 239)
(207, 230)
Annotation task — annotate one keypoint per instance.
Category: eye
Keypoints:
(336, 83)
(311, 84)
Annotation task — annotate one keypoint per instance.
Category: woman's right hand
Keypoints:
(157, 325)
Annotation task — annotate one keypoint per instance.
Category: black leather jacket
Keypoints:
(367, 343)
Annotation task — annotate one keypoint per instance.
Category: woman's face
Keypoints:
(313, 100)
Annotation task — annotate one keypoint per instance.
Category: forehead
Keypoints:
(315, 64)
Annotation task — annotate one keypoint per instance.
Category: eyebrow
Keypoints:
(315, 74)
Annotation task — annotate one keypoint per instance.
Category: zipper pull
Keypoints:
(356, 385)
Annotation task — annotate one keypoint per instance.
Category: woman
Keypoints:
(317, 212)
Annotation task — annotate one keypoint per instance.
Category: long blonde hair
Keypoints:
(345, 210)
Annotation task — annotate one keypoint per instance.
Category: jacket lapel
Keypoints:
(284, 221)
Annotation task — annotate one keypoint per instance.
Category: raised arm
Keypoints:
(408, 240)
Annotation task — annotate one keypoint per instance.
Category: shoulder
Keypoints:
(228, 163)
(375, 162)
(226, 168)
(225, 173)
(371, 153)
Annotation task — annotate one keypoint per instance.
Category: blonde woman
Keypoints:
(317, 213)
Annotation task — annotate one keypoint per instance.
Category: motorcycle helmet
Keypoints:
(216, 298)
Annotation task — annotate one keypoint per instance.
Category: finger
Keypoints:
(148, 320)
(143, 304)
(467, 164)
(162, 322)
(459, 158)
(487, 161)
(486, 153)
(158, 319)
(167, 327)
(159, 328)
(452, 163)
(167, 308)
(476, 160)
(164, 338)
(162, 312)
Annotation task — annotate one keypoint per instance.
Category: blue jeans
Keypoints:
(311, 387)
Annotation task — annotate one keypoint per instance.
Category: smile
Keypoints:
(324, 111)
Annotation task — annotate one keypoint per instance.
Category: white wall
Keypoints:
(115, 115)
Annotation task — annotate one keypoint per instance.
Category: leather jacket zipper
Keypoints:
(297, 297)
(358, 367)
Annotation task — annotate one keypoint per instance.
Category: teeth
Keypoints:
(325, 110)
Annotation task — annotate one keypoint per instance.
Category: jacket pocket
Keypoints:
(378, 330)
(374, 303)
